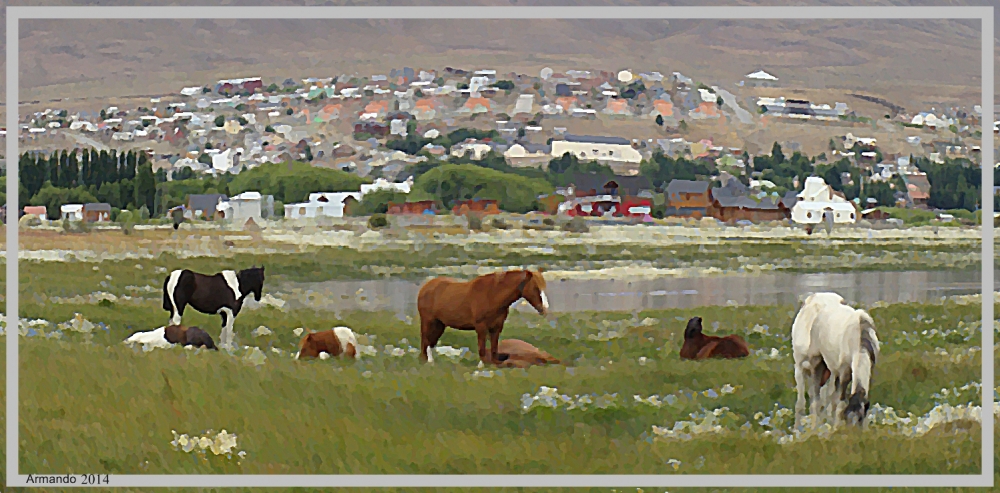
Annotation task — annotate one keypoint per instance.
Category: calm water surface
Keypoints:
(631, 295)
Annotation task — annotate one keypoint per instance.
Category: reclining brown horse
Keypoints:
(188, 336)
(515, 353)
(699, 346)
(481, 304)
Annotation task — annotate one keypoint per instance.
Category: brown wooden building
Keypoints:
(94, 212)
(687, 198)
(475, 206)
(422, 207)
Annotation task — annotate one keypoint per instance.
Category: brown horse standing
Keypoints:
(481, 304)
(516, 353)
(700, 346)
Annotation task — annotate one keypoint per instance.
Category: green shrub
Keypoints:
(576, 225)
(475, 222)
(378, 221)
(499, 223)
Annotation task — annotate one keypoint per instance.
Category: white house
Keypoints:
(761, 78)
(594, 148)
(321, 204)
(817, 199)
(525, 104)
(225, 160)
(383, 184)
(73, 212)
(519, 150)
(83, 125)
(242, 207)
(478, 150)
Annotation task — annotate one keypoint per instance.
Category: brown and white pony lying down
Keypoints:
(698, 346)
(338, 341)
(188, 336)
(515, 353)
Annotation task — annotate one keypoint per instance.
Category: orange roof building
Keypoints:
(617, 106)
(478, 105)
(377, 107)
(567, 103)
(663, 107)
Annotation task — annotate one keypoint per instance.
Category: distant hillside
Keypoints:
(908, 63)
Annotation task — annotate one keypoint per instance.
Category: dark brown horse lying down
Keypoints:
(335, 342)
(481, 304)
(699, 346)
(188, 336)
(515, 353)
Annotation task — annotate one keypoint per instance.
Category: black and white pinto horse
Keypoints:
(222, 294)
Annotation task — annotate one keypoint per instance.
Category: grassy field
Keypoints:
(625, 404)
(91, 404)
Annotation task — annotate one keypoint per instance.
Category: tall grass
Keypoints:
(89, 404)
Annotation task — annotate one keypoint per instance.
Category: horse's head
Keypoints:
(857, 408)
(693, 328)
(254, 276)
(532, 288)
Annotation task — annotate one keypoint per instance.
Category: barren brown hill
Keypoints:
(913, 64)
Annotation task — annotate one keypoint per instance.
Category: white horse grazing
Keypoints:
(829, 334)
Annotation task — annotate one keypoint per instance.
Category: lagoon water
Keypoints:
(574, 295)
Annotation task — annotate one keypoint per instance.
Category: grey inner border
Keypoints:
(984, 14)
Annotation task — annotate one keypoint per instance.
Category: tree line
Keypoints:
(124, 180)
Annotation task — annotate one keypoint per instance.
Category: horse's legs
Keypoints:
(482, 333)
(831, 394)
(430, 333)
(495, 344)
(837, 411)
(800, 386)
(180, 303)
(816, 395)
(226, 337)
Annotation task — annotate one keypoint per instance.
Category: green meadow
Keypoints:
(89, 403)
(623, 403)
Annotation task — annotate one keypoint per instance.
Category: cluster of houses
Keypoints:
(338, 204)
(314, 118)
(633, 197)
(343, 122)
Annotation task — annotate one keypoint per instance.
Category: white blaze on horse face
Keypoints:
(234, 284)
(175, 276)
(545, 301)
